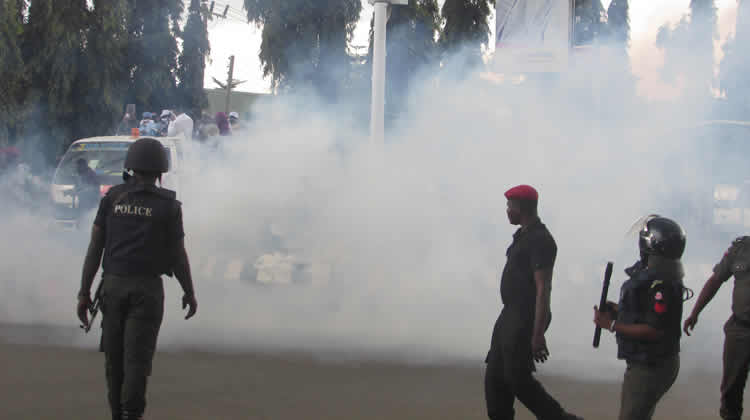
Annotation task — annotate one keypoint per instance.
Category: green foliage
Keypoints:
(590, 21)
(411, 46)
(53, 41)
(152, 53)
(102, 92)
(466, 24)
(12, 75)
(304, 42)
(688, 46)
(618, 22)
(192, 60)
(736, 65)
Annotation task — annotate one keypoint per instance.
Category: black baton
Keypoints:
(603, 302)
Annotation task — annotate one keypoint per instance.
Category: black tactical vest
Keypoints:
(633, 307)
(138, 220)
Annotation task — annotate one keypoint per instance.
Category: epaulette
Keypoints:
(742, 240)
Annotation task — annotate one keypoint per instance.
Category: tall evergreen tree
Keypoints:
(192, 60)
(689, 47)
(703, 31)
(411, 46)
(103, 87)
(735, 66)
(618, 23)
(152, 52)
(466, 24)
(304, 41)
(53, 51)
(12, 71)
(590, 21)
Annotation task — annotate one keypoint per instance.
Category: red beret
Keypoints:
(522, 192)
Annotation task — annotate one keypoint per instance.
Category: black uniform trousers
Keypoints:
(736, 362)
(132, 311)
(509, 371)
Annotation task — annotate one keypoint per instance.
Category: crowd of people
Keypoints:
(169, 123)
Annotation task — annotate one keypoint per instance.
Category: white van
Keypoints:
(106, 156)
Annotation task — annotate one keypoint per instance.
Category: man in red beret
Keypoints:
(518, 336)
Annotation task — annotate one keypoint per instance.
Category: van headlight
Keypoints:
(726, 193)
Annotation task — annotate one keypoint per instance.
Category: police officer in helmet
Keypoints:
(138, 232)
(647, 320)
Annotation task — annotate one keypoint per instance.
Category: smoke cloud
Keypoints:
(400, 245)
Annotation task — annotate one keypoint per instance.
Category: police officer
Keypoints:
(736, 262)
(518, 336)
(648, 317)
(138, 230)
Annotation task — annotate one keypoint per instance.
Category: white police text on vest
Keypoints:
(127, 209)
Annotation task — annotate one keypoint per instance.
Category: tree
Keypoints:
(53, 50)
(703, 33)
(736, 65)
(12, 78)
(411, 46)
(192, 60)
(304, 41)
(152, 52)
(618, 23)
(103, 87)
(688, 47)
(590, 21)
(466, 25)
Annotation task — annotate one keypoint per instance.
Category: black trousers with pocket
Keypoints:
(132, 312)
(510, 368)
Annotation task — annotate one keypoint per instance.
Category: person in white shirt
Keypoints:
(181, 124)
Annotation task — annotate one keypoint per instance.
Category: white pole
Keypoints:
(377, 116)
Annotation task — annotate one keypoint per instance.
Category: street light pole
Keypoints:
(377, 114)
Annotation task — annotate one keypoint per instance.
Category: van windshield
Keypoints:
(105, 158)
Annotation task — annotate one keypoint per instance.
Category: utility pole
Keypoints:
(230, 84)
(377, 115)
(230, 81)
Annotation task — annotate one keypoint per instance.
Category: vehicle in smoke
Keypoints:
(106, 157)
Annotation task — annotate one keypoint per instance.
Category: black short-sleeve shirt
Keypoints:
(533, 249)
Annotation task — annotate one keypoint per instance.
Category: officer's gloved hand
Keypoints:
(189, 300)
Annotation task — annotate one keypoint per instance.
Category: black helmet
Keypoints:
(662, 237)
(147, 155)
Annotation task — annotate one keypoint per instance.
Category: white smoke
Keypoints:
(408, 238)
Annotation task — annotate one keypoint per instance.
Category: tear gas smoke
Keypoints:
(406, 240)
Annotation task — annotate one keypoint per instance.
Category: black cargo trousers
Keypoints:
(736, 364)
(132, 312)
(510, 368)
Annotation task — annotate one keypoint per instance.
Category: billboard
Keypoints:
(533, 35)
